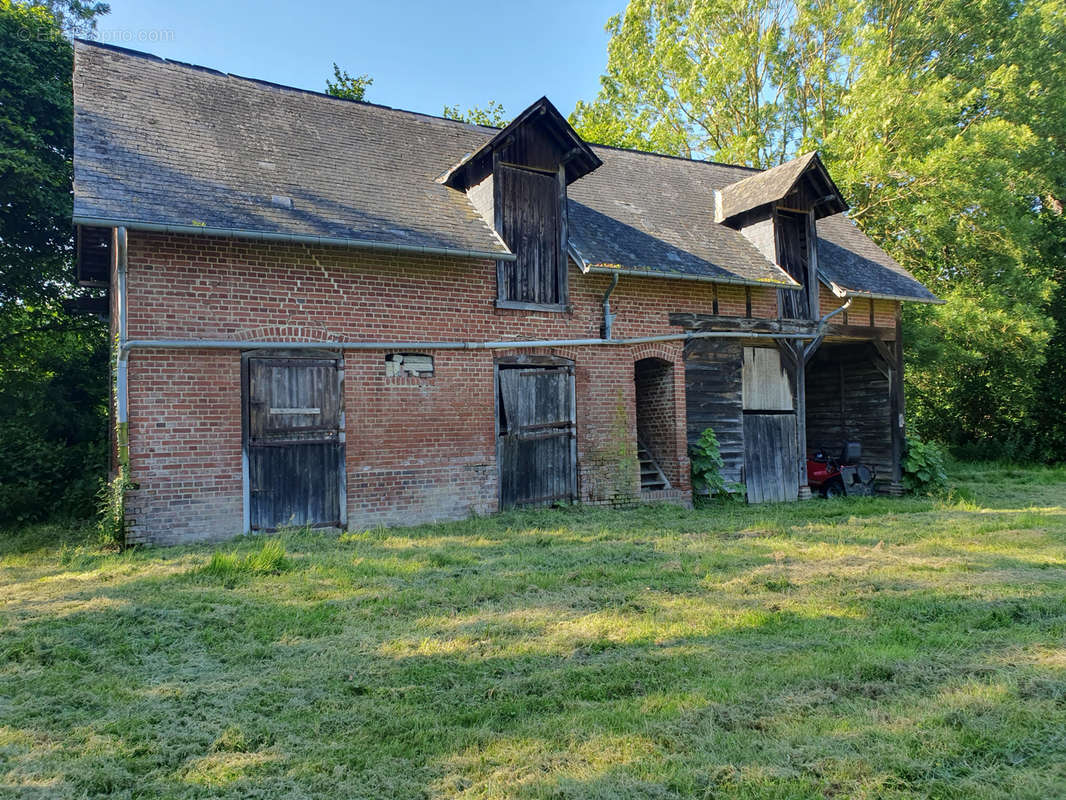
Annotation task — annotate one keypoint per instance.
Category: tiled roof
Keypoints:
(752, 191)
(655, 213)
(165, 143)
(848, 258)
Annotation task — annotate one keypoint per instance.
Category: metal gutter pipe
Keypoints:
(294, 238)
(825, 320)
(121, 377)
(231, 344)
(608, 317)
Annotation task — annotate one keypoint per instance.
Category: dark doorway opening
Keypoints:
(656, 423)
(849, 400)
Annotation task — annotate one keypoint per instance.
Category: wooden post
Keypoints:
(801, 422)
(896, 404)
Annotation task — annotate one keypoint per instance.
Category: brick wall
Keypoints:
(858, 313)
(417, 449)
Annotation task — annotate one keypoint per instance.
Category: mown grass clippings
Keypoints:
(866, 648)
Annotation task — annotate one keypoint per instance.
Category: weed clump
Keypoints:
(270, 559)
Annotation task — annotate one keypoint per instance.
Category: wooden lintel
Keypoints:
(860, 332)
(527, 167)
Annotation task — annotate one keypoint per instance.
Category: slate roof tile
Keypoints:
(168, 143)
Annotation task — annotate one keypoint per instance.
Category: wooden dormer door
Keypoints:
(793, 254)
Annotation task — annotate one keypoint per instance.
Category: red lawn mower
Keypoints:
(833, 477)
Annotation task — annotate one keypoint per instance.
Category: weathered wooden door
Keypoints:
(536, 446)
(529, 208)
(770, 457)
(771, 470)
(294, 441)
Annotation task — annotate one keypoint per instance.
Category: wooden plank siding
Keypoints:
(713, 398)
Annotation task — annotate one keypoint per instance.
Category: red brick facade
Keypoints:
(417, 449)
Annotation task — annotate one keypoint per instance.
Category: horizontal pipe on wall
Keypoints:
(236, 344)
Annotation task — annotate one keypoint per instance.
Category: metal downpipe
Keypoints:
(121, 376)
(608, 317)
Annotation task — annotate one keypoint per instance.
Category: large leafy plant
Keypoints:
(706, 460)
(923, 468)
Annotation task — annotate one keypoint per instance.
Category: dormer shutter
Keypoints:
(531, 217)
(517, 181)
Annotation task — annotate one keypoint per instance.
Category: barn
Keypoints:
(334, 313)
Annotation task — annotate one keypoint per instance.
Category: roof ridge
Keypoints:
(708, 162)
(274, 85)
(285, 87)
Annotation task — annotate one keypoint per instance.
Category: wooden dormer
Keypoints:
(517, 181)
(777, 210)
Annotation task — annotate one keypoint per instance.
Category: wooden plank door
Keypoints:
(294, 442)
(536, 447)
(770, 457)
(530, 220)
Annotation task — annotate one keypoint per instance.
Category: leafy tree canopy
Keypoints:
(344, 85)
(53, 365)
(944, 124)
(493, 115)
(74, 17)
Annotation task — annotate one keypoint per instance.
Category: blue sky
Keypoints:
(421, 55)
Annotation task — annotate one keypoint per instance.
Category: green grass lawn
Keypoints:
(857, 648)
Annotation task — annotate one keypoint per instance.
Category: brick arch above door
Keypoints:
(286, 333)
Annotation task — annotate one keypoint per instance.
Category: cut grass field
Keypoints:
(858, 648)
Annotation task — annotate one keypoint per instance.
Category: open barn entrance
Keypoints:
(656, 426)
(849, 399)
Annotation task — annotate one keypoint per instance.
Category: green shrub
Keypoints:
(923, 468)
(706, 462)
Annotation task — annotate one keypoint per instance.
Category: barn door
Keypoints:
(536, 446)
(770, 449)
(294, 442)
(770, 457)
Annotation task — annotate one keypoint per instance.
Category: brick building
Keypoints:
(335, 313)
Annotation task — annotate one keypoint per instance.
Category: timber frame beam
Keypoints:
(713, 322)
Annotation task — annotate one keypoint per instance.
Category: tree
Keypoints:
(344, 85)
(74, 17)
(493, 115)
(942, 122)
(53, 366)
(36, 119)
